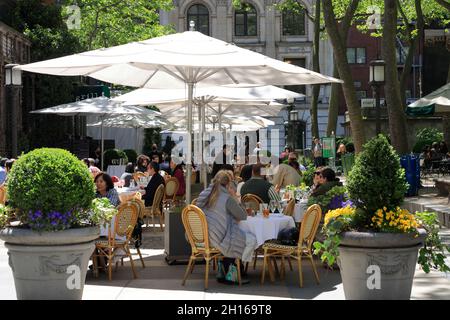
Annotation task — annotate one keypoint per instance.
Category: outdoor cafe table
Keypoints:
(266, 228)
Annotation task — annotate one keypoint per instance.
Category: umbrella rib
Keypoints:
(173, 74)
(207, 75)
(230, 76)
(150, 77)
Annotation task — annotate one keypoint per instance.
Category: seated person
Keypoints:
(223, 213)
(327, 180)
(155, 181)
(176, 167)
(246, 174)
(105, 188)
(165, 165)
(257, 185)
(92, 168)
(142, 163)
(127, 176)
(285, 175)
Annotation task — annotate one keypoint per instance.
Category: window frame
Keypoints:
(293, 15)
(355, 51)
(246, 13)
(197, 15)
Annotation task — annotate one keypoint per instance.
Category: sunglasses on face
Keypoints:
(317, 173)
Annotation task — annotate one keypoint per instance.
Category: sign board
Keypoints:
(329, 147)
(367, 103)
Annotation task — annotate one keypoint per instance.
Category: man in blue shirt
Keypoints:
(2, 170)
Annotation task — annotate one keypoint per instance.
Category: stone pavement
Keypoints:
(160, 281)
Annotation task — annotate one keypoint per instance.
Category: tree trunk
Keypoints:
(397, 118)
(340, 54)
(316, 68)
(333, 110)
(448, 76)
(446, 128)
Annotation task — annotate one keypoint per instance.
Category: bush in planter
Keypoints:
(114, 154)
(131, 155)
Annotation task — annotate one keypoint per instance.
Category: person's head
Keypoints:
(256, 170)
(316, 140)
(327, 175)
(317, 172)
(86, 162)
(129, 168)
(103, 182)
(435, 146)
(154, 147)
(143, 161)
(175, 163)
(294, 164)
(292, 156)
(246, 172)
(91, 162)
(153, 168)
(3, 162)
(9, 164)
(426, 148)
(221, 179)
(342, 148)
(155, 158)
(258, 144)
(287, 150)
(443, 147)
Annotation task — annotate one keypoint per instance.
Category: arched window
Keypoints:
(245, 21)
(200, 15)
(294, 23)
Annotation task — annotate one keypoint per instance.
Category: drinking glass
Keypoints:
(272, 205)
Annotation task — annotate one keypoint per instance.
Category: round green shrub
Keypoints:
(377, 180)
(427, 136)
(50, 189)
(114, 154)
(131, 155)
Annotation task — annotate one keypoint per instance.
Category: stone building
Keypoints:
(261, 28)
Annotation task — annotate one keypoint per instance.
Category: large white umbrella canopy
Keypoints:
(174, 61)
(436, 102)
(101, 107)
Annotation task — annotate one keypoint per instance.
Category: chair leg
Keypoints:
(283, 271)
(153, 223)
(160, 223)
(254, 259)
(263, 274)
(207, 272)
(246, 267)
(188, 270)
(131, 262)
(290, 264)
(300, 274)
(94, 263)
(140, 257)
(110, 263)
(271, 274)
(121, 262)
(238, 263)
(274, 259)
(314, 269)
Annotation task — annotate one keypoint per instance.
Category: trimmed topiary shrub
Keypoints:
(114, 155)
(131, 155)
(377, 180)
(50, 189)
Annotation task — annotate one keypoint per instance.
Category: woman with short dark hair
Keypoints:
(105, 188)
(142, 163)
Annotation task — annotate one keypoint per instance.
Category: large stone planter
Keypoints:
(49, 265)
(362, 254)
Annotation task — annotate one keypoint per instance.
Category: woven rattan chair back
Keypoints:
(172, 186)
(157, 200)
(137, 176)
(309, 226)
(253, 200)
(126, 220)
(141, 206)
(2, 195)
(194, 201)
(289, 211)
(196, 226)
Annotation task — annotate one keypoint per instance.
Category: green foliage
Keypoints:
(131, 155)
(50, 189)
(432, 254)
(377, 179)
(114, 154)
(427, 136)
(102, 211)
(308, 175)
(325, 201)
(4, 217)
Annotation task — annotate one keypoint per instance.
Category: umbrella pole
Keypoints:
(103, 144)
(204, 172)
(137, 140)
(189, 144)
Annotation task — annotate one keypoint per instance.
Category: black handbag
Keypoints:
(288, 236)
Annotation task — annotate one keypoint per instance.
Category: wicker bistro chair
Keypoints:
(308, 232)
(138, 238)
(253, 200)
(137, 176)
(194, 201)
(196, 226)
(2, 195)
(172, 186)
(124, 223)
(155, 210)
(289, 211)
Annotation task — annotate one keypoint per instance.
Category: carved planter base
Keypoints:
(49, 265)
(376, 266)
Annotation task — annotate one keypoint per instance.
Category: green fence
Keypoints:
(347, 162)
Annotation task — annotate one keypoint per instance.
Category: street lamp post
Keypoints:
(292, 118)
(376, 81)
(13, 83)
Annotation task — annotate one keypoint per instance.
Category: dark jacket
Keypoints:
(257, 186)
(150, 189)
(324, 188)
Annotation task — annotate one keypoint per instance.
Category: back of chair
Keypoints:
(253, 200)
(309, 226)
(137, 176)
(172, 186)
(194, 201)
(196, 226)
(289, 211)
(141, 207)
(157, 200)
(125, 220)
(2, 195)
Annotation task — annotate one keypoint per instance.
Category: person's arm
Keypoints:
(114, 198)
(235, 209)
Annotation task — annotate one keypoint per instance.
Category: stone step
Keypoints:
(440, 207)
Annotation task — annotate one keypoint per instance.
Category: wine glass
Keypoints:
(272, 205)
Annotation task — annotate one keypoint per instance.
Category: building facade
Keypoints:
(261, 28)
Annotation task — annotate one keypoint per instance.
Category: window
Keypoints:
(356, 55)
(362, 94)
(402, 53)
(293, 23)
(300, 62)
(200, 15)
(245, 21)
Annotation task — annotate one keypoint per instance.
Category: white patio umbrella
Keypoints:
(101, 107)
(176, 61)
(436, 102)
(131, 121)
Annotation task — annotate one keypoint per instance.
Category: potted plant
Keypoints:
(50, 224)
(374, 241)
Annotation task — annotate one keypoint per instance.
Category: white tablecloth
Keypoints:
(116, 170)
(129, 191)
(266, 228)
(300, 210)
